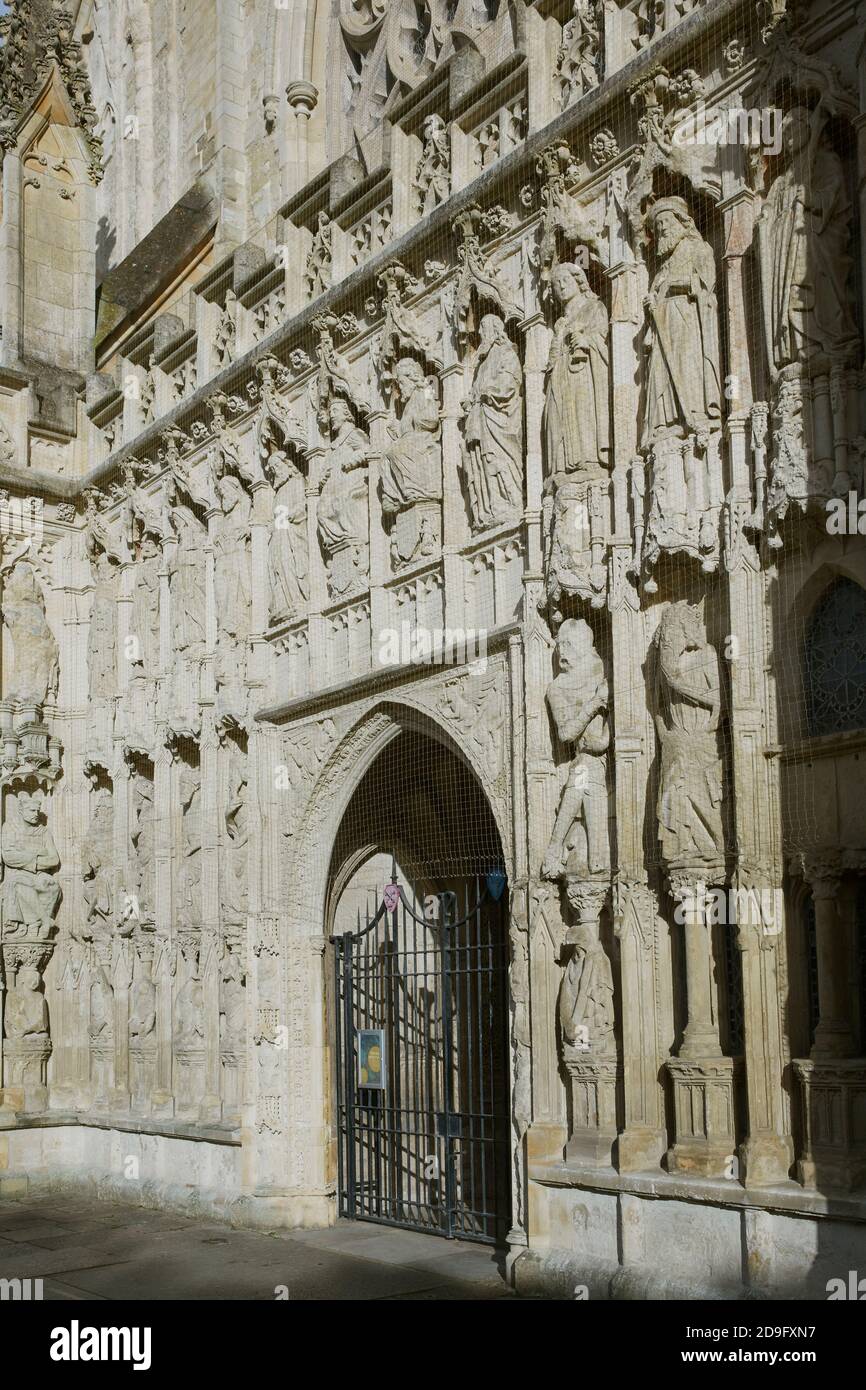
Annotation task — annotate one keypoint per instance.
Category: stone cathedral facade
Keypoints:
(330, 320)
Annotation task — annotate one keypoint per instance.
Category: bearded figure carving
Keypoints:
(682, 394)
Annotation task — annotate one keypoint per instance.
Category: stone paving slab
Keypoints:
(93, 1251)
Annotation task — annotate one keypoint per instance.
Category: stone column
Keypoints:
(302, 97)
(647, 1024)
(832, 1080)
(212, 799)
(834, 1036)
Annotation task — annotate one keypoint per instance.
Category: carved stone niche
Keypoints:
(233, 1004)
(188, 1030)
(26, 1044)
(410, 479)
(682, 412)
(29, 902)
(586, 1020)
(803, 247)
(142, 1022)
(492, 428)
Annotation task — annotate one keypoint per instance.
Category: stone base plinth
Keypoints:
(25, 1072)
(704, 1116)
(834, 1121)
(593, 1085)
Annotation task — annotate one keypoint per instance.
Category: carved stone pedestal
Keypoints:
(704, 1115)
(190, 1082)
(593, 1085)
(415, 533)
(142, 1074)
(834, 1122)
(232, 1067)
(25, 1063)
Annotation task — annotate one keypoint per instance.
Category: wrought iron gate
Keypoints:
(422, 1069)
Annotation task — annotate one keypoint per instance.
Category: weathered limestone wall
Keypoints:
(483, 342)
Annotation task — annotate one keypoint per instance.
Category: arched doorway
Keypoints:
(417, 916)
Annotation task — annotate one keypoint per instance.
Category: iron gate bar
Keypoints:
(445, 1096)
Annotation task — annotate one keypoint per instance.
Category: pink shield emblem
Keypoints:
(391, 895)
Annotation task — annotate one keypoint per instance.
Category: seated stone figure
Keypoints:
(411, 478)
(30, 892)
(26, 1009)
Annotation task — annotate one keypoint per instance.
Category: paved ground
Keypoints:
(83, 1249)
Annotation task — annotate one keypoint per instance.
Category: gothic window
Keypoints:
(834, 665)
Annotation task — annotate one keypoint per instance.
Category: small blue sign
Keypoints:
(496, 882)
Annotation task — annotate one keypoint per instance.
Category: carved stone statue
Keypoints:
(35, 669)
(141, 844)
(318, 268)
(586, 1013)
(102, 638)
(577, 62)
(683, 382)
(804, 240)
(145, 604)
(97, 857)
(188, 1030)
(142, 1000)
(577, 698)
(234, 866)
(577, 409)
(232, 582)
(31, 893)
(288, 558)
(189, 884)
(342, 512)
(411, 478)
(232, 1001)
(433, 175)
(187, 579)
(26, 1013)
(493, 429)
(688, 699)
